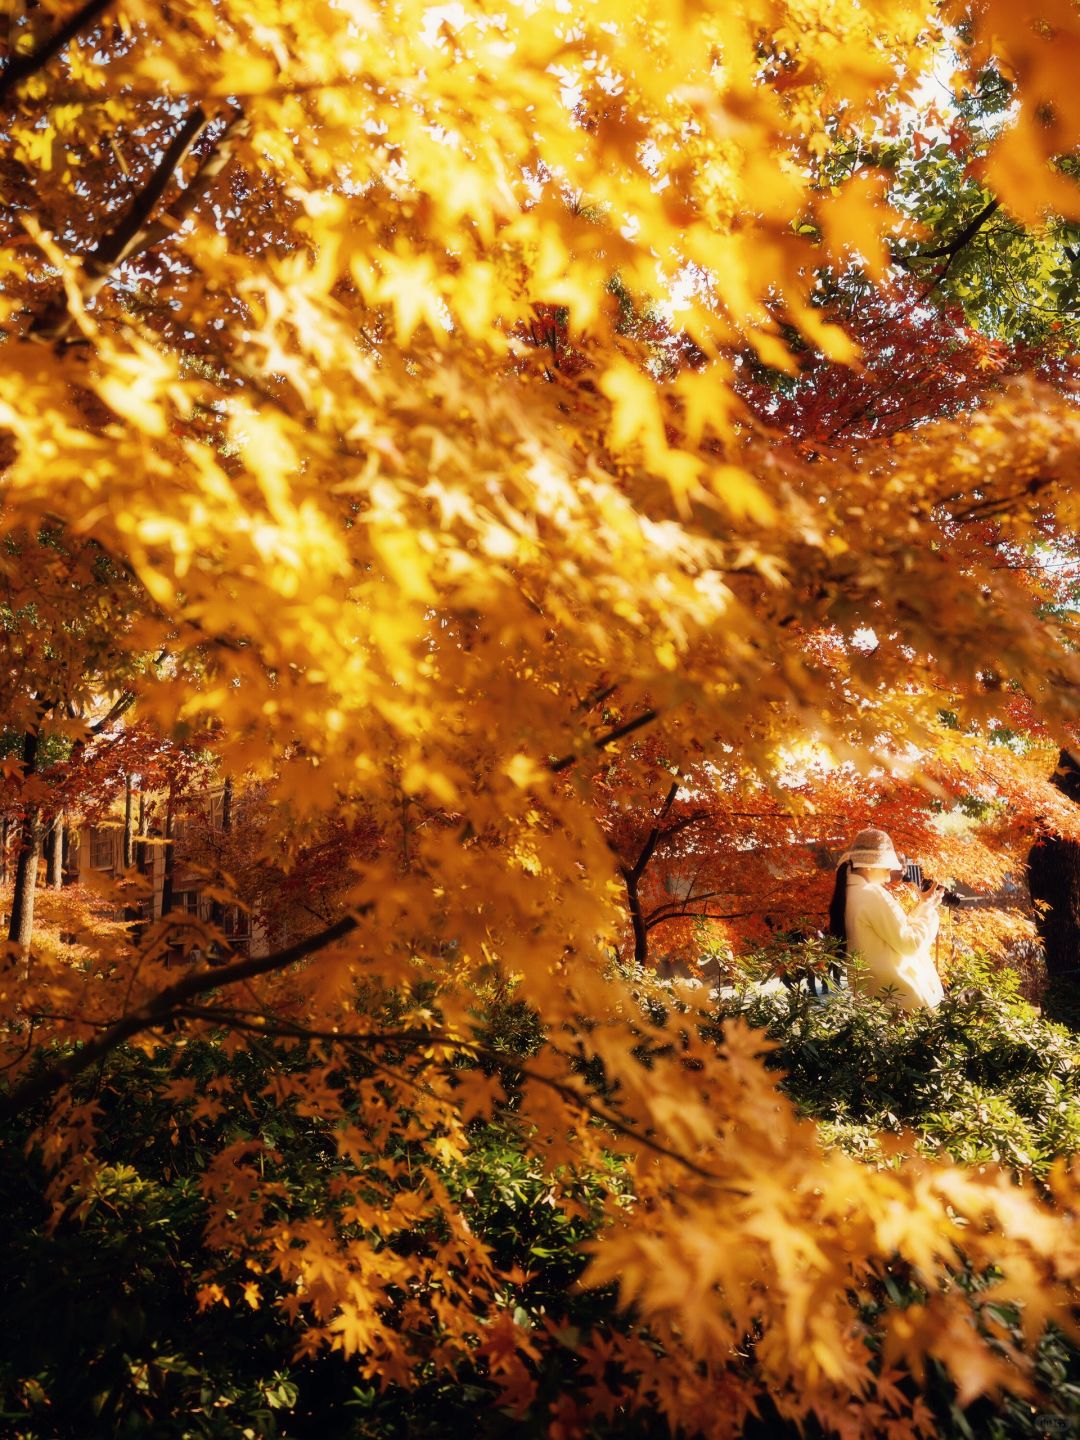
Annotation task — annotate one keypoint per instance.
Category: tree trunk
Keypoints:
(1054, 878)
(141, 846)
(217, 909)
(637, 919)
(5, 840)
(169, 872)
(21, 924)
(129, 824)
(632, 875)
(135, 915)
(54, 852)
(71, 855)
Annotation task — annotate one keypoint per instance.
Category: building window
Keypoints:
(101, 849)
(187, 901)
(236, 923)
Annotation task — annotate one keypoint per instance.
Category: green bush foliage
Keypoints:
(982, 1078)
(103, 1335)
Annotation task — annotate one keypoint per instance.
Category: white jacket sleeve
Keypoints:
(906, 934)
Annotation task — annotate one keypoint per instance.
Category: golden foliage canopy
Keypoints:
(268, 275)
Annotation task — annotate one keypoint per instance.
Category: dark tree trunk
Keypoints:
(637, 919)
(217, 909)
(131, 912)
(1054, 878)
(141, 847)
(5, 841)
(169, 871)
(54, 852)
(129, 824)
(632, 876)
(21, 924)
(140, 852)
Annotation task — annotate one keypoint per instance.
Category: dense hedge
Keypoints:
(983, 1077)
(102, 1335)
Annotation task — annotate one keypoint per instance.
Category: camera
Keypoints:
(912, 874)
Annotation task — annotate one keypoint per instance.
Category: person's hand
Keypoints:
(934, 896)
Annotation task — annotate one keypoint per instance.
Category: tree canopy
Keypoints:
(502, 431)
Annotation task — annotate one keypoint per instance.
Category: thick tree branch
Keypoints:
(115, 245)
(654, 835)
(162, 1008)
(119, 707)
(601, 741)
(21, 67)
(962, 238)
(211, 167)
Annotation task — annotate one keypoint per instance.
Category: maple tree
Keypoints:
(314, 329)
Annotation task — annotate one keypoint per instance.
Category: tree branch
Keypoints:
(683, 824)
(161, 1008)
(119, 707)
(680, 905)
(602, 741)
(21, 67)
(598, 696)
(284, 1030)
(653, 837)
(957, 243)
(700, 915)
(115, 245)
(211, 167)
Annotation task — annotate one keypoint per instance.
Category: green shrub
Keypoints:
(983, 1077)
(103, 1336)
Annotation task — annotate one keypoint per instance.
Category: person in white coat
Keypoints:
(895, 948)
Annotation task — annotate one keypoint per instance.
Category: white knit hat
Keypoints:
(872, 849)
